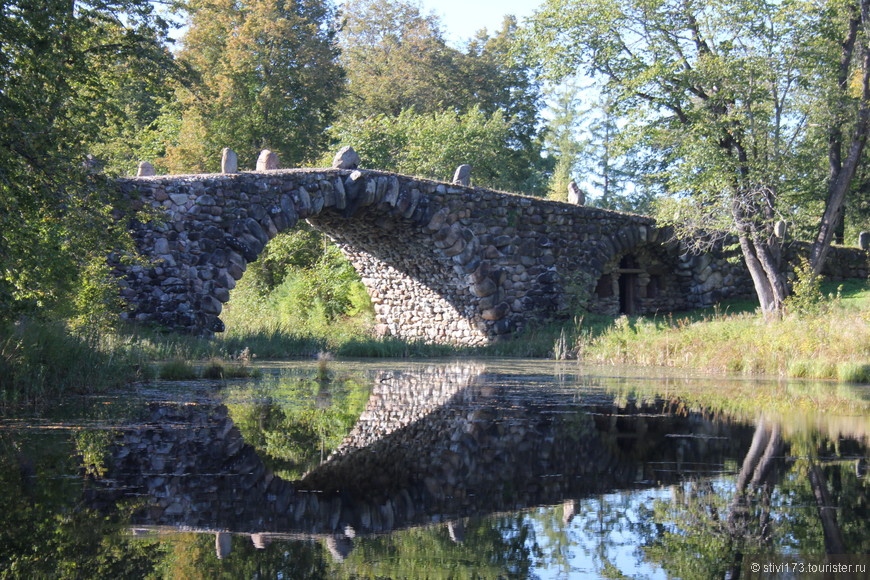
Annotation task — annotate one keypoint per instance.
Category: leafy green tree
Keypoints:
(562, 142)
(268, 79)
(396, 58)
(499, 80)
(846, 111)
(399, 66)
(724, 93)
(433, 145)
(57, 61)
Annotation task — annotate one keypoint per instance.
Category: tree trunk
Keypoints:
(834, 543)
(843, 173)
(763, 263)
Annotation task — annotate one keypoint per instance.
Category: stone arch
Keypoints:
(443, 262)
(415, 259)
(640, 275)
(414, 256)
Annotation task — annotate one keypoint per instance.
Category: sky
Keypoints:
(462, 18)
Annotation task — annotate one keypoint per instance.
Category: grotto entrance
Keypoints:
(641, 282)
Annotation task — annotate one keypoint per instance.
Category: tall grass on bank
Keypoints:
(829, 341)
(39, 360)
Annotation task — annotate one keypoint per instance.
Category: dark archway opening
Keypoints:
(643, 281)
(629, 291)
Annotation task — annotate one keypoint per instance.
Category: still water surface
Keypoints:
(471, 469)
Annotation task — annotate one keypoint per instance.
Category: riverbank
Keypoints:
(828, 338)
(825, 339)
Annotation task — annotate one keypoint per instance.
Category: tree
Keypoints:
(399, 65)
(396, 59)
(725, 93)
(269, 79)
(433, 145)
(845, 153)
(562, 142)
(57, 60)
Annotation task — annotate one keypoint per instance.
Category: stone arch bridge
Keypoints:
(442, 263)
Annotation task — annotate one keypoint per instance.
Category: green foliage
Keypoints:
(317, 296)
(496, 547)
(93, 448)
(220, 370)
(815, 344)
(268, 79)
(300, 422)
(396, 59)
(806, 294)
(852, 372)
(716, 102)
(96, 300)
(46, 531)
(418, 106)
(284, 254)
(433, 145)
(561, 141)
(176, 370)
(59, 60)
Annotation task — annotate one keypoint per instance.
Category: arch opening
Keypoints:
(640, 281)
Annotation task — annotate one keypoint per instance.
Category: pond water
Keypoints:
(463, 469)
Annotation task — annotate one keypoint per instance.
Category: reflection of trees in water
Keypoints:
(778, 499)
(775, 503)
(45, 530)
(295, 423)
(496, 547)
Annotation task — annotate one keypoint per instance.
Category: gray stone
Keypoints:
(575, 194)
(161, 246)
(267, 161)
(145, 170)
(864, 240)
(211, 305)
(230, 161)
(346, 158)
(496, 313)
(462, 176)
(779, 229)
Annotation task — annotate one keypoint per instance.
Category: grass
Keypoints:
(39, 360)
(832, 341)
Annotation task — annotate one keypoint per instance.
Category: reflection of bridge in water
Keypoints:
(433, 446)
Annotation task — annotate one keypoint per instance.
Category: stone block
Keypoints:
(267, 161)
(229, 161)
(145, 169)
(346, 158)
(496, 313)
(462, 175)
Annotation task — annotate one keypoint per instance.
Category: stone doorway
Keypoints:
(638, 283)
(631, 278)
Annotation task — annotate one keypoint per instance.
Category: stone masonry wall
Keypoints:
(442, 262)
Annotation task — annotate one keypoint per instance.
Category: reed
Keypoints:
(40, 359)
